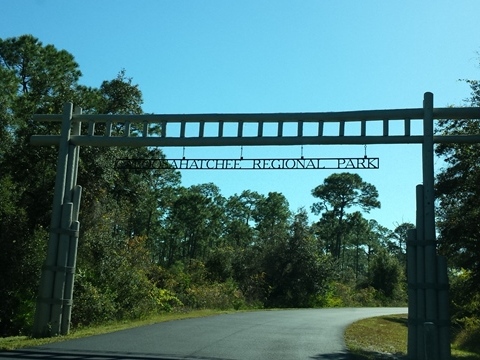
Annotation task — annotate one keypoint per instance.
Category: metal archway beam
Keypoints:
(154, 130)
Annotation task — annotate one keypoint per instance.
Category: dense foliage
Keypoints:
(149, 244)
(458, 209)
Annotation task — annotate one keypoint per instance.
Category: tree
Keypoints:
(458, 191)
(296, 274)
(33, 78)
(8, 85)
(46, 77)
(386, 275)
(338, 193)
(239, 210)
(399, 235)
(117, 208)
(358, 237)
(194, 223)
(271, 216)
(120, 96)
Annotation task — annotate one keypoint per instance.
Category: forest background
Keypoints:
(149, 245)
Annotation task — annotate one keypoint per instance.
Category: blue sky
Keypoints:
(220, 56)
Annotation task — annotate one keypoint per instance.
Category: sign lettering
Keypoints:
(250, 164)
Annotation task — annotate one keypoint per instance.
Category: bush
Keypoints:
(366, 297)
(330, 299)
(221, 296)
(339, 295)
(467, 338)
(465, 300)
(165, 299)
(465, 307)
(385, 273)
(91, 305)
(21, 259)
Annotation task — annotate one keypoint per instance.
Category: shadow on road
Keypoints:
(43, 354)
(336, 356)
(362, 356)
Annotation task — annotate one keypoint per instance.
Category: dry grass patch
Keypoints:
(385, 337)
(379, 337)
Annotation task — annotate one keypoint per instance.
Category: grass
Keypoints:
(18, 342)
(379, 337)
(385, 337)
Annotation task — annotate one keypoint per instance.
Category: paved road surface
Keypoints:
(263, 335)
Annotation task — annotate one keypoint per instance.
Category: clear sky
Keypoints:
(225, 56)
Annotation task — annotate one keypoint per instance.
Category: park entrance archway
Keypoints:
(428, 284)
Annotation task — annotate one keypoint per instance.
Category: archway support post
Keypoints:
(429, 239)
(54, 302)
(429, 323)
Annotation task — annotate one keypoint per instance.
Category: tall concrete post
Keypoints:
(412, 293)
(443, 310)
(429, 217)
(420, 275)
(46, 300)
(72, 195)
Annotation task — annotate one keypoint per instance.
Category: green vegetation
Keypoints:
(458, 213)
(147, 244)
(378, 337)
(150, 246)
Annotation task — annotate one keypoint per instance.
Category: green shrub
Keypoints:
(165, 299)
(340, 294)
(221, 296)
(366, 297)
(331, 298)
(91, 305)
(467, 338)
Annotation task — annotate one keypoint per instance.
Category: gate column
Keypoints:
(51, 299)
(429, 222)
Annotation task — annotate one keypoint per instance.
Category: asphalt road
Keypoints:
(260, 335)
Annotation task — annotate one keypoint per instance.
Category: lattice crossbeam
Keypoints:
(400, 126)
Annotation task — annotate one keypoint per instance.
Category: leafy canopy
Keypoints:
(342, 191)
